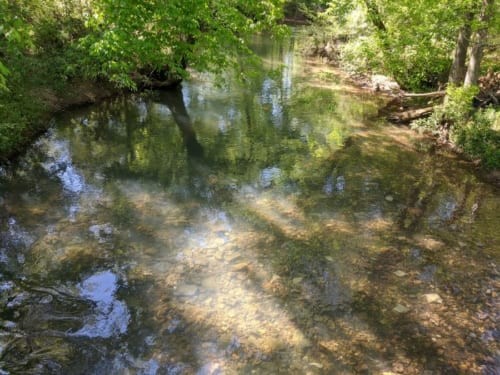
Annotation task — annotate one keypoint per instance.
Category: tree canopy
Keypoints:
(160, 35)
(113, 39)
(413, 41)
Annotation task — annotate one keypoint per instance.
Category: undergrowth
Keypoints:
(476, 132)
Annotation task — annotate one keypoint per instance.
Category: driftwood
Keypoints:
(410, 115)
(425, 94)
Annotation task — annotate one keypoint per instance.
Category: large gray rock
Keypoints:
(383, 83)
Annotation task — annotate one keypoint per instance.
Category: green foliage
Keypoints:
(35, 48)
(480, 137)
(18, 113)
(167, 36)
(413, 42)
(44, 44)
(458, 104)
(454, 113)
(477, 133)
(3, 76)
(407, 40)
(308, 9)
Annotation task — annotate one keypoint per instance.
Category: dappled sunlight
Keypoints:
(339, 227)
(378, 225)
(271, 227)
(214, 280)
(428, 242)
(277, 211)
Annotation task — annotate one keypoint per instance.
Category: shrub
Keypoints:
(480, 137)
(476, 133)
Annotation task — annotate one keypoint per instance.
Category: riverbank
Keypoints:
(31, 110)
(49, 101)
(468, 121)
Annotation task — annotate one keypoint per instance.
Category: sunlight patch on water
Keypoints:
(445, 210)
(17, 236)
(212, 278)
(111, 316)
(277, 209)
(270, 175)
(59, 163)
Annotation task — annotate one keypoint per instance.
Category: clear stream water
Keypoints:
(270, 226)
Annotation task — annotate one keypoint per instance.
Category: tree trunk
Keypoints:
(479, 40)
(410, 115)
(458, 67)
(424, 94)
(374, 15)
(476, 56)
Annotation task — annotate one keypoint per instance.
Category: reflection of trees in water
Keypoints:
(175, 102)
(298, 237)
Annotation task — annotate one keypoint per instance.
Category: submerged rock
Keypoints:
(186, 290)
(400, 309)
(316, 364)
(427, 275)
(210, 369)
(432, 298)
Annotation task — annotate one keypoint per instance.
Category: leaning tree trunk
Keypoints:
(479, 40)
(458, 67)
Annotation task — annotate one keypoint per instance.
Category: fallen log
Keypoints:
(410, 115)
(424, 94)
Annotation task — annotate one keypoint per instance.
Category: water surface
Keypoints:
(274, 225)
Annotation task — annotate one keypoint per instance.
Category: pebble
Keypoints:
(316, 364)
(399, 273)
(187, 290)
(231, 257)
(274, 278)
(433, 298)
(398, 367)
(401, 309)
(389, 198)
(211, 282)
(243, 266)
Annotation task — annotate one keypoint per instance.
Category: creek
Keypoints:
(271, 225)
